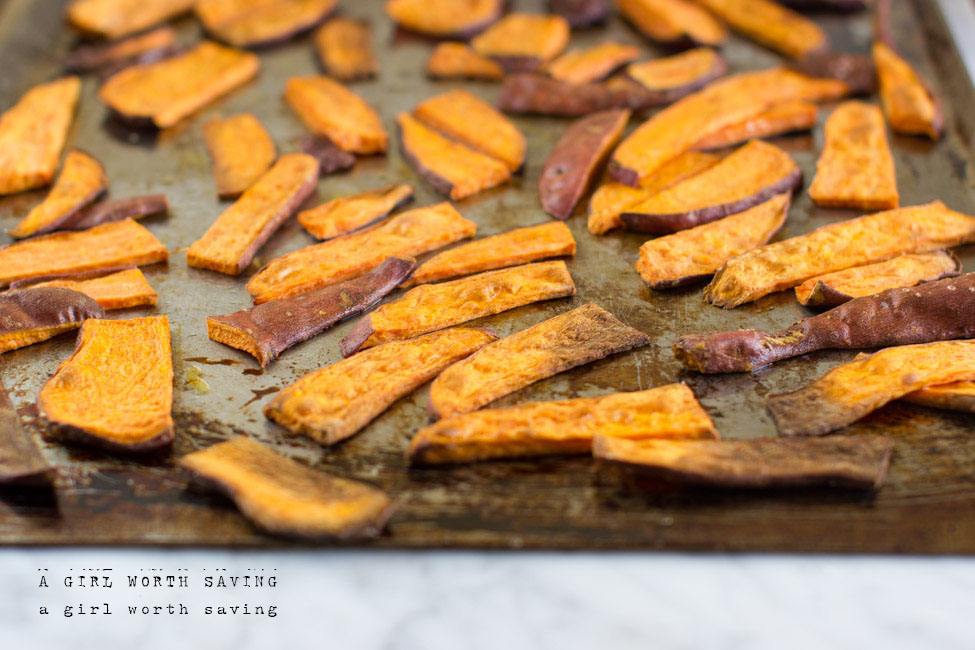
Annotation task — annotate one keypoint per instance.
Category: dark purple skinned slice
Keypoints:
(20, 461)
(534, 94)
(819, 5)
(857, 71)
(934, 311)
(83, 275)
(30, 316)
(331, 159)
(134, 207)
(580, 13)
(267, 330)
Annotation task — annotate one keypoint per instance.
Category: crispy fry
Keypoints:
(134, 207)
(432, 307)
(537, 94)
(459, 61)
(115, 290)
(348, 213)
(20, 460)
(523, 42)
(857, 71)
(29, 316)
(241, 150)
(580, 13)
(771, 24)
(345, 49)
(92, 57)
(335, 402)
(786, 117)
(910, 105)
(676, 23)
(113, 19)
(670, 78)
(258, 23)
(445, 18)
(591, 64)
(956, 396)
(81, 181)
(583, 335)
(330, 158)
(331, 110)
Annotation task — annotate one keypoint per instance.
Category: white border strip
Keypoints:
(959, 15)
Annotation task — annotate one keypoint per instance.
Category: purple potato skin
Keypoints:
(42, 307)
(821, 5)
(331, 159)
(117, 210)
(580, 13)
(855, 70)
(437, 181)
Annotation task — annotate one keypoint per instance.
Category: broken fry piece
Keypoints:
(580, 13)
(910, 105)
(459, 61)
(540, 95)
(432, 307)
(583, 335)
(523, 42)
(591, 64)
(335, 402)
(956, 396)
(445, 18)
(780, 119)
(259, 23)
(771, 24)
(103, 212)
(241, 150)
(345, 214)
(670, 78)
(113, 19)
(29, 316)
(331, 110)
(20, 460)
(330, 158)
(116, 390)
(115, 290)
(675, 23)
(345, 49)
(92, 57)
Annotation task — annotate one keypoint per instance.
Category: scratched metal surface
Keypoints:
(927, 506)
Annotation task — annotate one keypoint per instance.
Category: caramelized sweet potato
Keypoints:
(81, 181)
(910, 105)
(331, 110)
(241, 150)
(591, 64)
(286, 498)
(777, 120)
(457, 19)
(670, 78)
(432, 307)
(563, 427)
(330, 158)
(459, 61)
(86, 58)
(839, 461)
(580, 13)
(674, 23)
(956, 396)
(113, 19)
(108, 246)
(857, 71)
(540, 95)
(523, 42)
(694, 255)
(116, 390)
(836, 288)
(230, 243)
(20, 460)
(29, 316)
(345, 49)
(33, 132)
(335, 402)
(838, 246)
(749, 176)
(103, 212)
(771, 24)
(583, 335)
(407, 234)
(267, 330)
(163, 93)
(343, 215)
(258, 23)
(115, 290)
(518, 246)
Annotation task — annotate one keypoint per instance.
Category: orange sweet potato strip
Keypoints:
(695, 254)
(345, 214)
(331, 110)
(459, 61)
(29, 316)
(956, 396)
(118, 290)
(81, 181)
(120, 243)
(675, 23)
(113, 19)
(241, 150)
(910, 105)
(563, 427)
(518, 246)
(591, 64)
(258, 23)
(163, 93)
(445, 18)
(92, 57)
(33, 132)
(780, 119)
(345, 49)
(404, 235)
(432, 307)
(836, 288)
(771, 24)
(333, 403)
(670, 78)
(838, 246)
(523, 42)
(230, 243)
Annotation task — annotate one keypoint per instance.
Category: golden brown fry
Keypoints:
(591, 64)
(910, 105)
(459, 61)
(345, 49)
(771, 24)
(257, 23)
(331, 110)
(117, 290)
(345, 214)
(523, 42)
(675, 76)
(113, 19)
(780, 119)
(956, 396)
(241, 150)
(458, 19)
(676, 23)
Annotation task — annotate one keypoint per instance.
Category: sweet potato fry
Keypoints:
(563, 427)
(580, 13)
(81, 180)
(230, 243)
(749, 176)
(86, 58)
(103, 212)
(116, 390)
(33, 132)
(674, 23)
(836, 288)
(344, 48)
(286, 498)
(113, 19)
(241, 150)
(122, 243)
(29, 316)
(771, 24)
(445, 18)
(857, 71)
(591, 64)
(777, 120)
(267, 330)
(330, 158)
(453, 169)
(518, 246)
(933, 311)
(404, 235)
(956, 396)
(163, 93)
(839, 461)
(523, 42)
(838, 246)
(258, 23)
(670, 78)
(910, 105)
(331, 110)
(335, 402)
(540, 95)
(343, 215)
(115, 290)
(20, 460)
(458, 61)
(432, 307)
(583, 335)
(694, 255)
(577, 158)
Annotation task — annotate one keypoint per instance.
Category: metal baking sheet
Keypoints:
(927, 506)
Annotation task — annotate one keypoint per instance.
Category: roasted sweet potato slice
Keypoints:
(836, 288)
(241, 150)
(576, 160)
(163, 93)
(230, 243)
(345, 214)
(112, 245)
(670, 78)
(453, 169)
(839, 461)
(284, 497)
(29, 316)
(457, 19)
(540, 95)
(459, 61)
(405, 235)
(910, 105)
(787, 117)
(267, 330)
(81, 180)
(345, 49)
(675, 23)
(33, 132)
(20, 460)
(330, 158)
(580, 13)
(116, 390)
(771, 24)
(694, 255)
(518, 246)
(749, 176)
(838, 246)
(956, 396)
(335, 402)
(591, 64)
(134, 207)
(258, 23)
(432, 307)
(331, 110)
(86, 58)
(583, 335)
(563, 427)
(523, 42)
(113, 19)
(933, 311)
(116, 290)
(857, 71)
